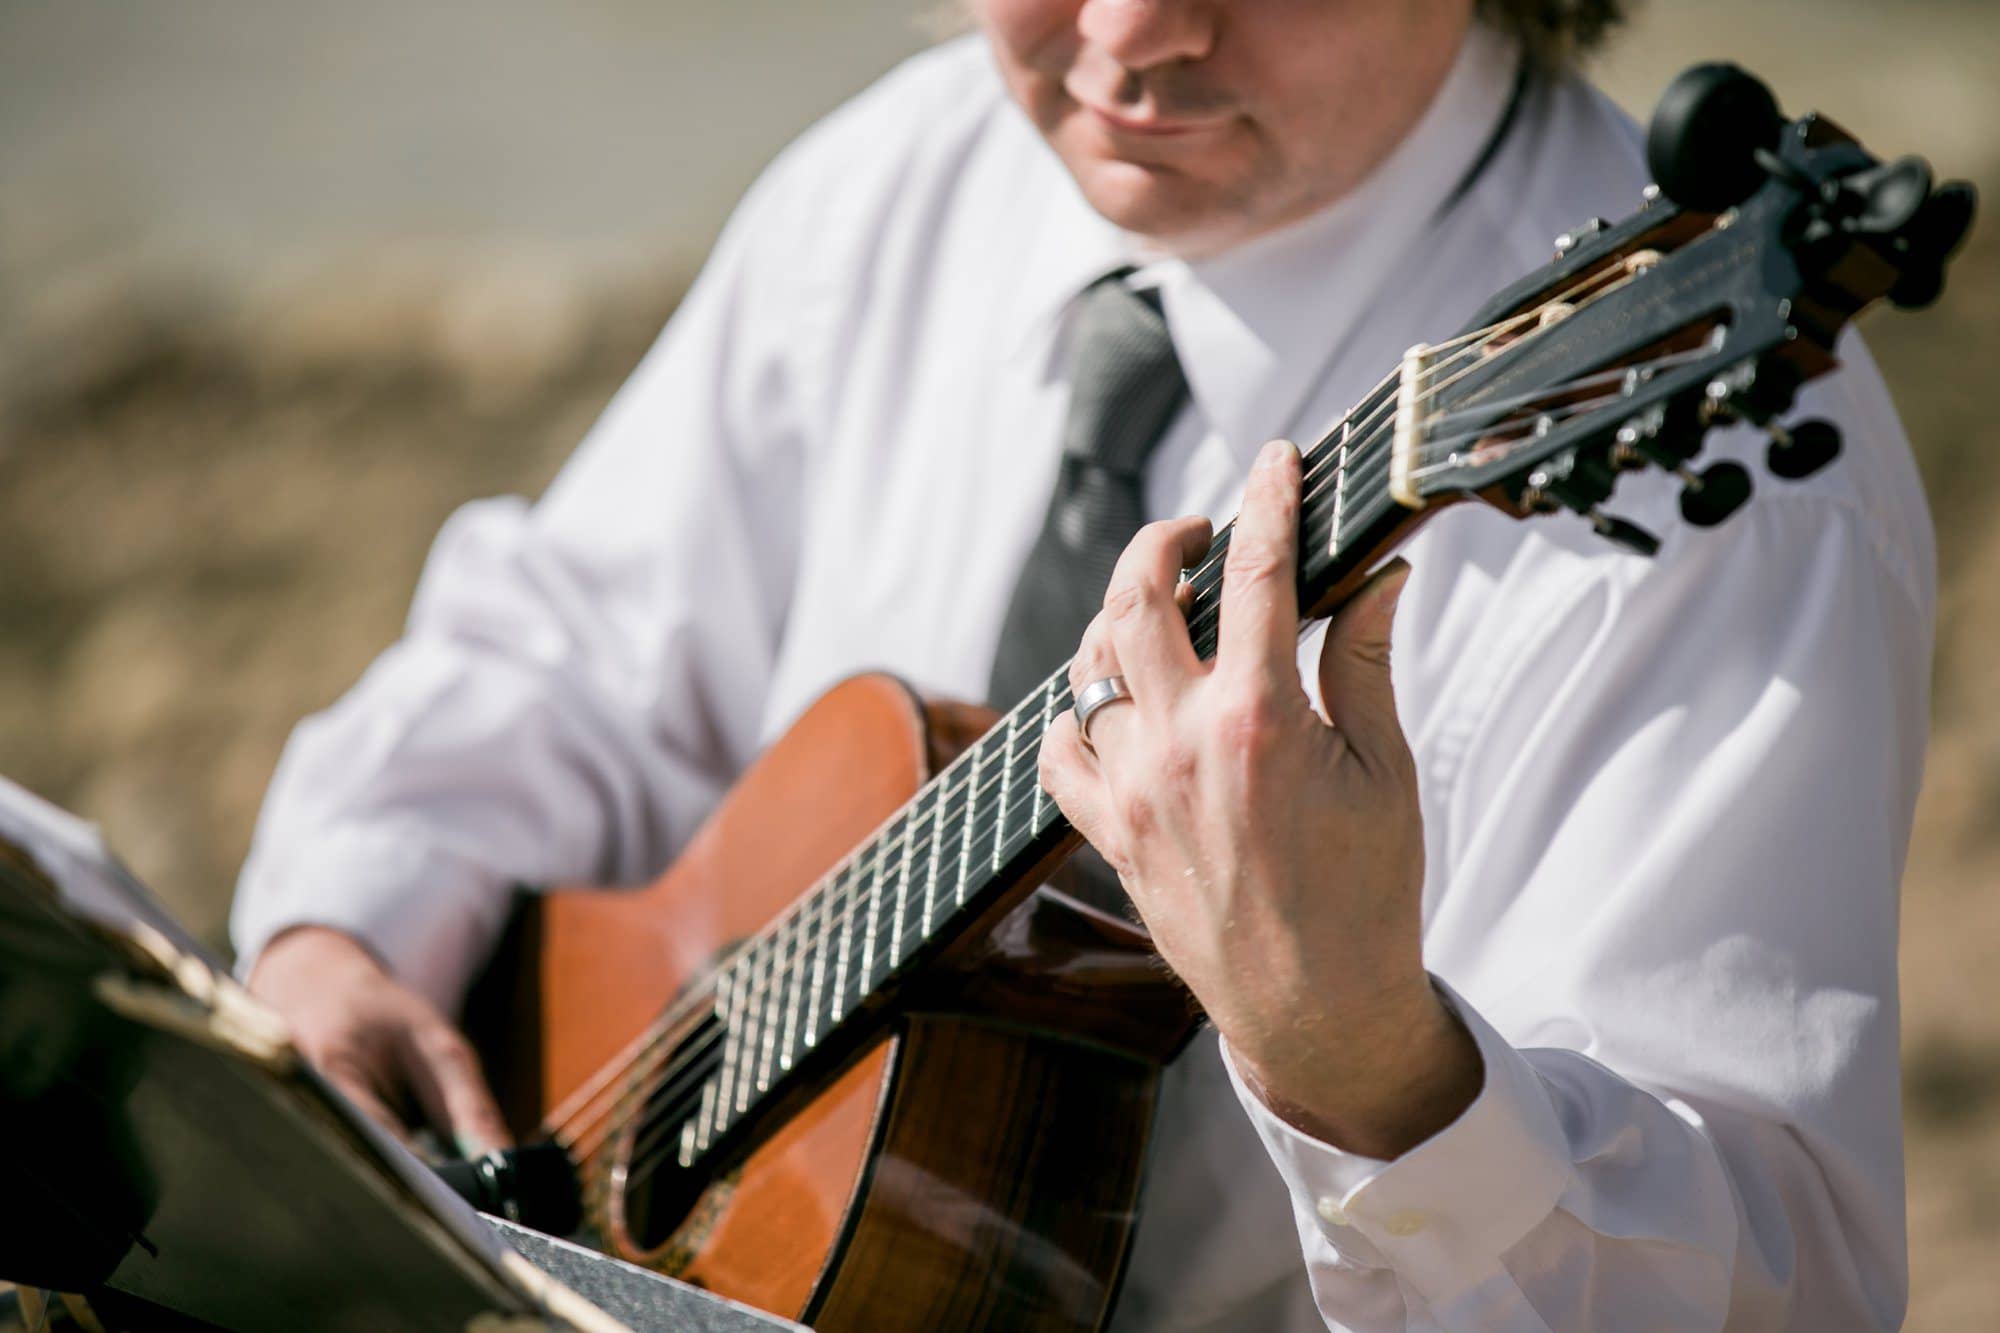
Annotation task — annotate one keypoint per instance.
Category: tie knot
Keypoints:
(1125, 381)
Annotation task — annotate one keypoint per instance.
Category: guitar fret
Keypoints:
(937, 841)
(971, 811)
(725, 1006)
(690, 1128)
(1006, 786)
(1048, 720)
(773, 997)
(824, 897)
(795, 977)
(846, 941)
(903, 888)
(868, 935)
(774, 1014)
(750, 1032)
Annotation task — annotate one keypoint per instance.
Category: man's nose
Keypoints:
(1139, 34)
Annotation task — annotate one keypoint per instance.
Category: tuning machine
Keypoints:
(1717, 137)
(1708, 496)
(1623, 532)
(1714, 493)
(1704, 140)
(1799, 451)
(1578, 481)
(1749, 391)
(1928, 239)
(1664, 435)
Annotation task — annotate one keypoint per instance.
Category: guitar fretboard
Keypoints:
(975, 830)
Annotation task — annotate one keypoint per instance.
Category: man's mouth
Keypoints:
(1152, 115)
(1154, 124)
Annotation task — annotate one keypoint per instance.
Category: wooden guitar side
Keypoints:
(976, 1165)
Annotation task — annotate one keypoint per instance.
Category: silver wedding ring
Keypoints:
(1095, 696)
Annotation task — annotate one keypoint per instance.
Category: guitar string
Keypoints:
(916, 813)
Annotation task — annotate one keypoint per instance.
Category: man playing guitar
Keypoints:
(1550, 960)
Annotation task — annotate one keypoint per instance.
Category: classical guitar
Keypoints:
(845, 1063)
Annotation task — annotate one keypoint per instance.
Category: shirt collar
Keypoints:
(1256, 325)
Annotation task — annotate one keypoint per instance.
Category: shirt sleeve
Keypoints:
(579, 678)
(1663, 902)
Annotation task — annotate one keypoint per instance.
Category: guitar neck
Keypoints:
(967, 842)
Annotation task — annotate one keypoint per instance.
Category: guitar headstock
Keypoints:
(1711, 305)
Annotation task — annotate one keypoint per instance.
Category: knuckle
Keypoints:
(1176, 761)
(1124, 599)
(1249, 722)
(1048, 763)
(445, 1047)
(1254, 562)
(1137, 814)
(1154, 538)
(1088, 663)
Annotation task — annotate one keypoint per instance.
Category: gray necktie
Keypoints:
(1126, 386)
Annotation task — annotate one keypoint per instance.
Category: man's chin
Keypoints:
(1167, 207)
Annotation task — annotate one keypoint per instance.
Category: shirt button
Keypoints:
(1331, 1211)
(1406, 1223)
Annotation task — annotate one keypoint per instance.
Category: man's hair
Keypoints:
(1555, 32)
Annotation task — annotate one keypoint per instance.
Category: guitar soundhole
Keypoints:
(658, 1191)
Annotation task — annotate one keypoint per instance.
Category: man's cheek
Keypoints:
(1030, 34)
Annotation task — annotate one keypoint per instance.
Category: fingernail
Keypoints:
(471, 1147)
(1391, 580)
(1274, 454)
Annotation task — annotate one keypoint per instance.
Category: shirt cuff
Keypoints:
(1442, 1214)
(431, 918)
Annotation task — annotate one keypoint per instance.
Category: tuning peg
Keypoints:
(1714, 493)
(1703, 141)
(1944, 219)
(1749, 390)
(1919, 285)
(1572, 479)
(1623, 532)
(1892, 194)
(1803, 449)
(1931, 236)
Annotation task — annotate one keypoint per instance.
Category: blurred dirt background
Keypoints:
(281, 285)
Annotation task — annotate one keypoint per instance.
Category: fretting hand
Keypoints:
(1277, 860)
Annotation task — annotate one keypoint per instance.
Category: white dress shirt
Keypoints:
(1666, 802)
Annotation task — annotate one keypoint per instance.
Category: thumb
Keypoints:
(1354, 667)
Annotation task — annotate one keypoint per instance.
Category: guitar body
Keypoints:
(975, 1162)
